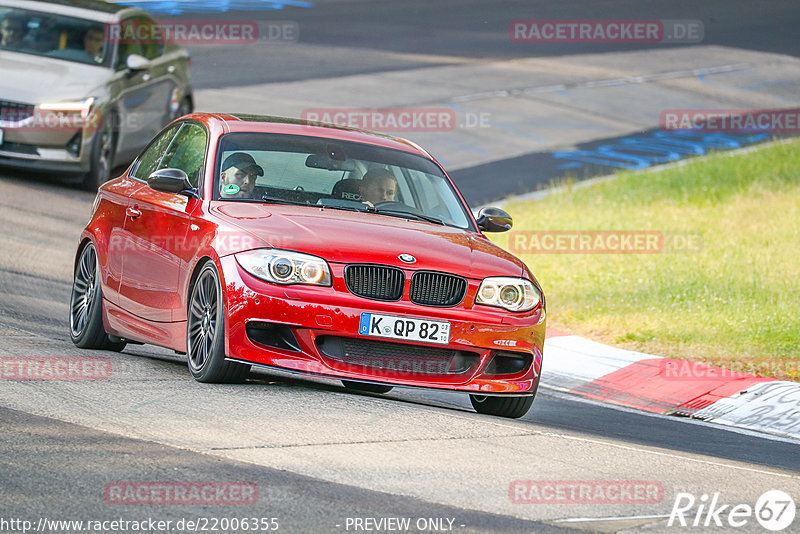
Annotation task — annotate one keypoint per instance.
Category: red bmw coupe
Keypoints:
(246, 241)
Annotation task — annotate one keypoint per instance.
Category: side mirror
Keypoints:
(494, 220)
(172, 181)
(135, 63)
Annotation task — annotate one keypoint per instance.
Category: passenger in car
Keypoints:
(238, 176)
(12, 31)
(378, 185)
(92, 52)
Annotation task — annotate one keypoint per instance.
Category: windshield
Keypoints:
(293, 169)
(45, 34)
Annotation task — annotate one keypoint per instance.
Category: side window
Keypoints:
(187, 152)
(148, 161)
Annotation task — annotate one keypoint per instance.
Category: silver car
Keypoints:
(77, 97)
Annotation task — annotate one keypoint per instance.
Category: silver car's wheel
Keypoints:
(205, 332)
(102, 156)
(86, 305)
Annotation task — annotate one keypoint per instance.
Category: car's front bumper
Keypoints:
(45, 150)
(310, 321)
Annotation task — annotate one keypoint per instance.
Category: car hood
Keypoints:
(32, 79)
(350, 237)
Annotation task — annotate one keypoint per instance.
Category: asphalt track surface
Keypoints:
(389, 33)
(320, 454)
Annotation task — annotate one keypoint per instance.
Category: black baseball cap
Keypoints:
(241, 160)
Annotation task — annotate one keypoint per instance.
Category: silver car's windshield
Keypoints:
(56, 36)
(327, 173)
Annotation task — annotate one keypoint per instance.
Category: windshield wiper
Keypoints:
(408, 215)
(276, 200)
(343, 208)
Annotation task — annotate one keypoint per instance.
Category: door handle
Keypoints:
(133, 213)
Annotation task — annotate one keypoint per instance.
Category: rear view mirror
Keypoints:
(324, 161)
(494, 220)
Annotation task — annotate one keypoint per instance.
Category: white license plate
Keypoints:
(407, 328)
(1, 136)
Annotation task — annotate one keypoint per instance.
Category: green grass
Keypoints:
(735, 303)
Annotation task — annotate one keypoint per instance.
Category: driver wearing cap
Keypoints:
(238, 177)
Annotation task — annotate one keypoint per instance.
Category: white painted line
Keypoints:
(610, 82)
(620, 518)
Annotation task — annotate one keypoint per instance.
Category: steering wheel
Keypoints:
(392, 204)
(398, 206)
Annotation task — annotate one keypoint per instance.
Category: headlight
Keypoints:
(513, 294)
(284, 267)
(83, 107)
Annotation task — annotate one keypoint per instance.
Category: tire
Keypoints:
(511, 407)
(367, 388)
(205, 332)
(86, 306)
(102, 157)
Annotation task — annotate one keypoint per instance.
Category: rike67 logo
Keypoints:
(774, 510)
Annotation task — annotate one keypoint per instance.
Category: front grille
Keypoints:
(20, 148)
(437, 289)
(14, 111)
(375, 281)
(399, 358)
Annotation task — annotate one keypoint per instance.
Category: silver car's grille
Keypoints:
(14, 111)
(437, 289)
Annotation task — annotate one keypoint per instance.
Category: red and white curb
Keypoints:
(669, 386)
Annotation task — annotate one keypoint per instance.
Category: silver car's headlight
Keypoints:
(513, 294)
(82, 107)
(285, 267)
